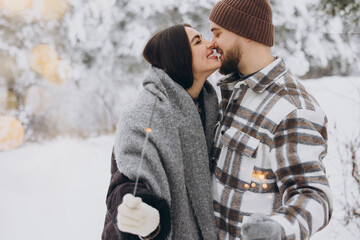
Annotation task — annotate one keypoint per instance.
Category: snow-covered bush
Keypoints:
(347, 152)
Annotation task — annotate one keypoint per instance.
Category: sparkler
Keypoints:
(148, 131)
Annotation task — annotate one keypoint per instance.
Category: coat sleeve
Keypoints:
(299, 146)
(121, 185)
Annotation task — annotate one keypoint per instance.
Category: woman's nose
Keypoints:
(211, 44)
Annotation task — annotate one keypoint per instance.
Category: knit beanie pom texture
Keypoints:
(250, 19)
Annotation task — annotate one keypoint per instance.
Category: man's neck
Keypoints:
(260, 58)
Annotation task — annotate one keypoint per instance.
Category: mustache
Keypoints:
(230, 61)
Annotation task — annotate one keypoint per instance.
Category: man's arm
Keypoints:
(299, 146)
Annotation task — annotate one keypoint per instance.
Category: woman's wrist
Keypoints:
(152, 235)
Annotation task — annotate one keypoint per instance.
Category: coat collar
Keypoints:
(156, 80)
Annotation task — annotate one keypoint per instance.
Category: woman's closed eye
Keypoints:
(197, 39)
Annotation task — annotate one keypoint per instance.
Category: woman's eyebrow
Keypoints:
(195, 37)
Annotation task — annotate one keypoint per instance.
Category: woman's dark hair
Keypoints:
(170, 50)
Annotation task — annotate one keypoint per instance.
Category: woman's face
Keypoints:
(204, 62)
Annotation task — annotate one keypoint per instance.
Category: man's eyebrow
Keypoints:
(195, 37)
(215, 29)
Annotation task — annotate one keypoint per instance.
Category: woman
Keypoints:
(173, 196)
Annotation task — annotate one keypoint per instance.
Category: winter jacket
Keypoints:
(174, 176)
(269, 148)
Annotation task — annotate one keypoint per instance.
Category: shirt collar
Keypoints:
(258, 81)
(266, 76)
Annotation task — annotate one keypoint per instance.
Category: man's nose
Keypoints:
(213, 39)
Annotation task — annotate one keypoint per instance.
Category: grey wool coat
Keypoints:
(176, 159)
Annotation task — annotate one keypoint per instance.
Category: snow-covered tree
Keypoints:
(69, 66)
(312, 36)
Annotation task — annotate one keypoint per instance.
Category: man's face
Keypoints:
(228, 45)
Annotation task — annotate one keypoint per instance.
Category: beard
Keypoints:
(231, 60)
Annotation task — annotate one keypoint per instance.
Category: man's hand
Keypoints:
(260, 226)
(136, 217)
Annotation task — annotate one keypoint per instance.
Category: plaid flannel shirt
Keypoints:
(268, 152)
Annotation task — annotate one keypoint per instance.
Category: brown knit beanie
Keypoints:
(250, 19)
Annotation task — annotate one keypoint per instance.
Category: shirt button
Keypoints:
(222, 132)
(235, 101)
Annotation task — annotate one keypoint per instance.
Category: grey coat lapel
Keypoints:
(195, 155)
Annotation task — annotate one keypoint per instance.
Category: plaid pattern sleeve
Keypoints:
(268, 150)
(299, 146)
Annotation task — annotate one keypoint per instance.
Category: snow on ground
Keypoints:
(56, 190)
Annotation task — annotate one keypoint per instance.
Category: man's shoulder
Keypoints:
(288, 95)
(293, 89)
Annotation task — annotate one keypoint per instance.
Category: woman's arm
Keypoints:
(121, 185)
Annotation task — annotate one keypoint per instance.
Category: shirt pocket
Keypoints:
(237, 159)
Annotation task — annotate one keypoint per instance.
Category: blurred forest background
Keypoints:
(69, 66)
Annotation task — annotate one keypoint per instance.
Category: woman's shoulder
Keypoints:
(141, 102)
(140, 110)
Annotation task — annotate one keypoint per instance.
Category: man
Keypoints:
(268, 175)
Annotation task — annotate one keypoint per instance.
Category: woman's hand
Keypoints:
(136, 217)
